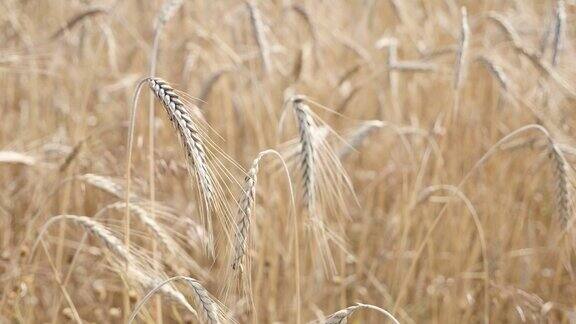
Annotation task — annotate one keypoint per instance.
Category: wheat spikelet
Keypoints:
(209, 308)
(559, 31)
(319, 135)
(188, 132)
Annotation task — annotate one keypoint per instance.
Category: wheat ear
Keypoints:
(341, 316)
(210, 309)
(245, 212)
(188, 132)
(16, 158)
(307, 154)
(119, 250)
(496, 70)
(358, 136)
(167, 11)
(563, 195)
(259, 35)
(530, 54)
(462, 50)
(559, 31)
(163, 237)
(245, 208)
(105, 184)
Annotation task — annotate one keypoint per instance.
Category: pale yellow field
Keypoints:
(455, 207)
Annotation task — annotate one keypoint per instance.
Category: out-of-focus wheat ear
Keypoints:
(209, 308)
(357, 137)
(461, 64)
(190, 137)
(167, 11)
(303, 13)
(208, 85)
(462, 53)
(559, 31)
(307, 152)
(496, 71)
(112, 243)
(530, 54)
(90, 12)
(563, 190)
(341, 316)
(169, 244)
(414, 66)
(260, 35)
(106, 184)
(119, 250)
(71, 156)
(16, 158)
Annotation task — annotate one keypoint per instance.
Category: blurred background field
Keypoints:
(462, 209)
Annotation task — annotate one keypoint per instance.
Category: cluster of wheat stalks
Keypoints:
(297, 161)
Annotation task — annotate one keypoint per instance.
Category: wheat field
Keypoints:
(313, 161)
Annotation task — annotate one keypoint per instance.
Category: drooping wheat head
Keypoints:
(190, 137)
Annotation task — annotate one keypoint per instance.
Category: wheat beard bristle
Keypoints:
(183, 122)
(305, 124)
(245, 211)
